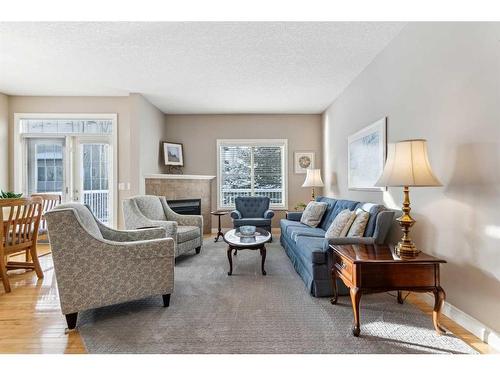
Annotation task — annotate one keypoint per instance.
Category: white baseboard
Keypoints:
(471, 324)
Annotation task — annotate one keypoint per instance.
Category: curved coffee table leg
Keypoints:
(263, 255)
(230, 258)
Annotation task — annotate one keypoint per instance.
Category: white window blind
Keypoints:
(252, 168)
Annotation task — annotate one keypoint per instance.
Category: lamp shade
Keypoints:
(313, 178)
(408, 165)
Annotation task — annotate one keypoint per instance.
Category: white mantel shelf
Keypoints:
(180, 176)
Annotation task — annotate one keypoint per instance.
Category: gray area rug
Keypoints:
(211, 312)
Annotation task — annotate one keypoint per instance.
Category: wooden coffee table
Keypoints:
(235, 242)
(376, 268)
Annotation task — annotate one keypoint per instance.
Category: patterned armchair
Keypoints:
(252, 211)
(98, 266)
(153, 211)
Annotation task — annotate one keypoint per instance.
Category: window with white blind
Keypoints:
(252, 168)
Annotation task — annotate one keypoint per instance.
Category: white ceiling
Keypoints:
(193, 67)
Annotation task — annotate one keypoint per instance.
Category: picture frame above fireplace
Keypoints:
(173, 154)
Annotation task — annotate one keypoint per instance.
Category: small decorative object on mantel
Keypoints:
(366, 156)
(407, 165)
(303, 160)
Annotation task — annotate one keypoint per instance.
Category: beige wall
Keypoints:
(147, 129)
(135, 117)
(199, 134)
(4, 142)
(440, 82)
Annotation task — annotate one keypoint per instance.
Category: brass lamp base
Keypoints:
(406, 248)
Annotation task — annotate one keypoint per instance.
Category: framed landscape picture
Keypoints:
(303, 160)
(173, 154)
(366, 156)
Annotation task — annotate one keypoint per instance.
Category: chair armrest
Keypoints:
(131, 235)
(133, 216)
(294, 215)
(236, 214)
(351, 241)
(169, 226)
(171, 215)
(268, 214)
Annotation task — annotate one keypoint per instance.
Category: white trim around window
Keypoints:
(282, 143)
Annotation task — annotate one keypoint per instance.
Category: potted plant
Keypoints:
(8, 195)
(300, 206)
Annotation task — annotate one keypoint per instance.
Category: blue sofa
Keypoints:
(308, 249)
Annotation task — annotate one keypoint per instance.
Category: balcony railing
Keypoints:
(98, 200)
(228, 195)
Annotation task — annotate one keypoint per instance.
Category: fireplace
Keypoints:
(185, 206)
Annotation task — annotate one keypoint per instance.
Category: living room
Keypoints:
(142, 162)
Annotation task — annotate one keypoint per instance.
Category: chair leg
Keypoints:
(166, 300)
(198, 249)
(71, 320)
(36, 263)
(3, 274)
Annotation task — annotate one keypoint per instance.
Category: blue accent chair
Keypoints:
(252, 211)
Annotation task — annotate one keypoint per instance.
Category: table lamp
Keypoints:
(313, 179)
(407, 165)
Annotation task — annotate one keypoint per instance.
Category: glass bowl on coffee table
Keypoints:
(236, 240)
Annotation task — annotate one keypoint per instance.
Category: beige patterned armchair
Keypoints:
(153, 211)
(98, 266)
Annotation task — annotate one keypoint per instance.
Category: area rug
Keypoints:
(211, 312)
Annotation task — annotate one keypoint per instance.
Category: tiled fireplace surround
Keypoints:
(178, 186)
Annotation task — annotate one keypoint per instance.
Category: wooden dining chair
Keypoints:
(49, 202)
(19, 222)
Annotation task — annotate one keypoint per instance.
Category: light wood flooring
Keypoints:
(31, 320)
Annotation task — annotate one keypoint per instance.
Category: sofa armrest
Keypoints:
(351, 241)
(269, 214)
(236, 214)
(294, 215)
(383, 225)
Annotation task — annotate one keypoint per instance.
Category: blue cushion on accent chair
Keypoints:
(252, 211)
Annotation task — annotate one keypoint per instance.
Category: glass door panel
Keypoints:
(94, 176)
(45, 165)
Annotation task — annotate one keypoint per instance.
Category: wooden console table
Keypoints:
(376, 268)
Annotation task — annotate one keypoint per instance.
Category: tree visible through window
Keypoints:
(252, 169)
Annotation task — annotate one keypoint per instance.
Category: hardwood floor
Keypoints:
(31, 320)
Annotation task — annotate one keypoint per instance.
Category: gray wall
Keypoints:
(199, 134)
(440, 82)
(4, 142)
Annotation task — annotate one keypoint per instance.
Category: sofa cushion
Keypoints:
(340, 205)
(313, 213)
(340, 225)
(358, 226)
(331, 202)
(312, 249)
(187, 233)
(258, 222)
(294, 232)
(374, 210)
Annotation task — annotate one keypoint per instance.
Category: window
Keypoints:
(254, 168)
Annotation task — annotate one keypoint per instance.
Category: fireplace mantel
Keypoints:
(180, 176)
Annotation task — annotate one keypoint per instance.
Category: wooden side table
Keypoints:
(219, 213)
(376, 268)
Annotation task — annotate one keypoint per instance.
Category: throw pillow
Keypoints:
(359, 224)
(336, 228)
(313, 213)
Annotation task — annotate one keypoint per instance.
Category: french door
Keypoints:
(75, 166)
